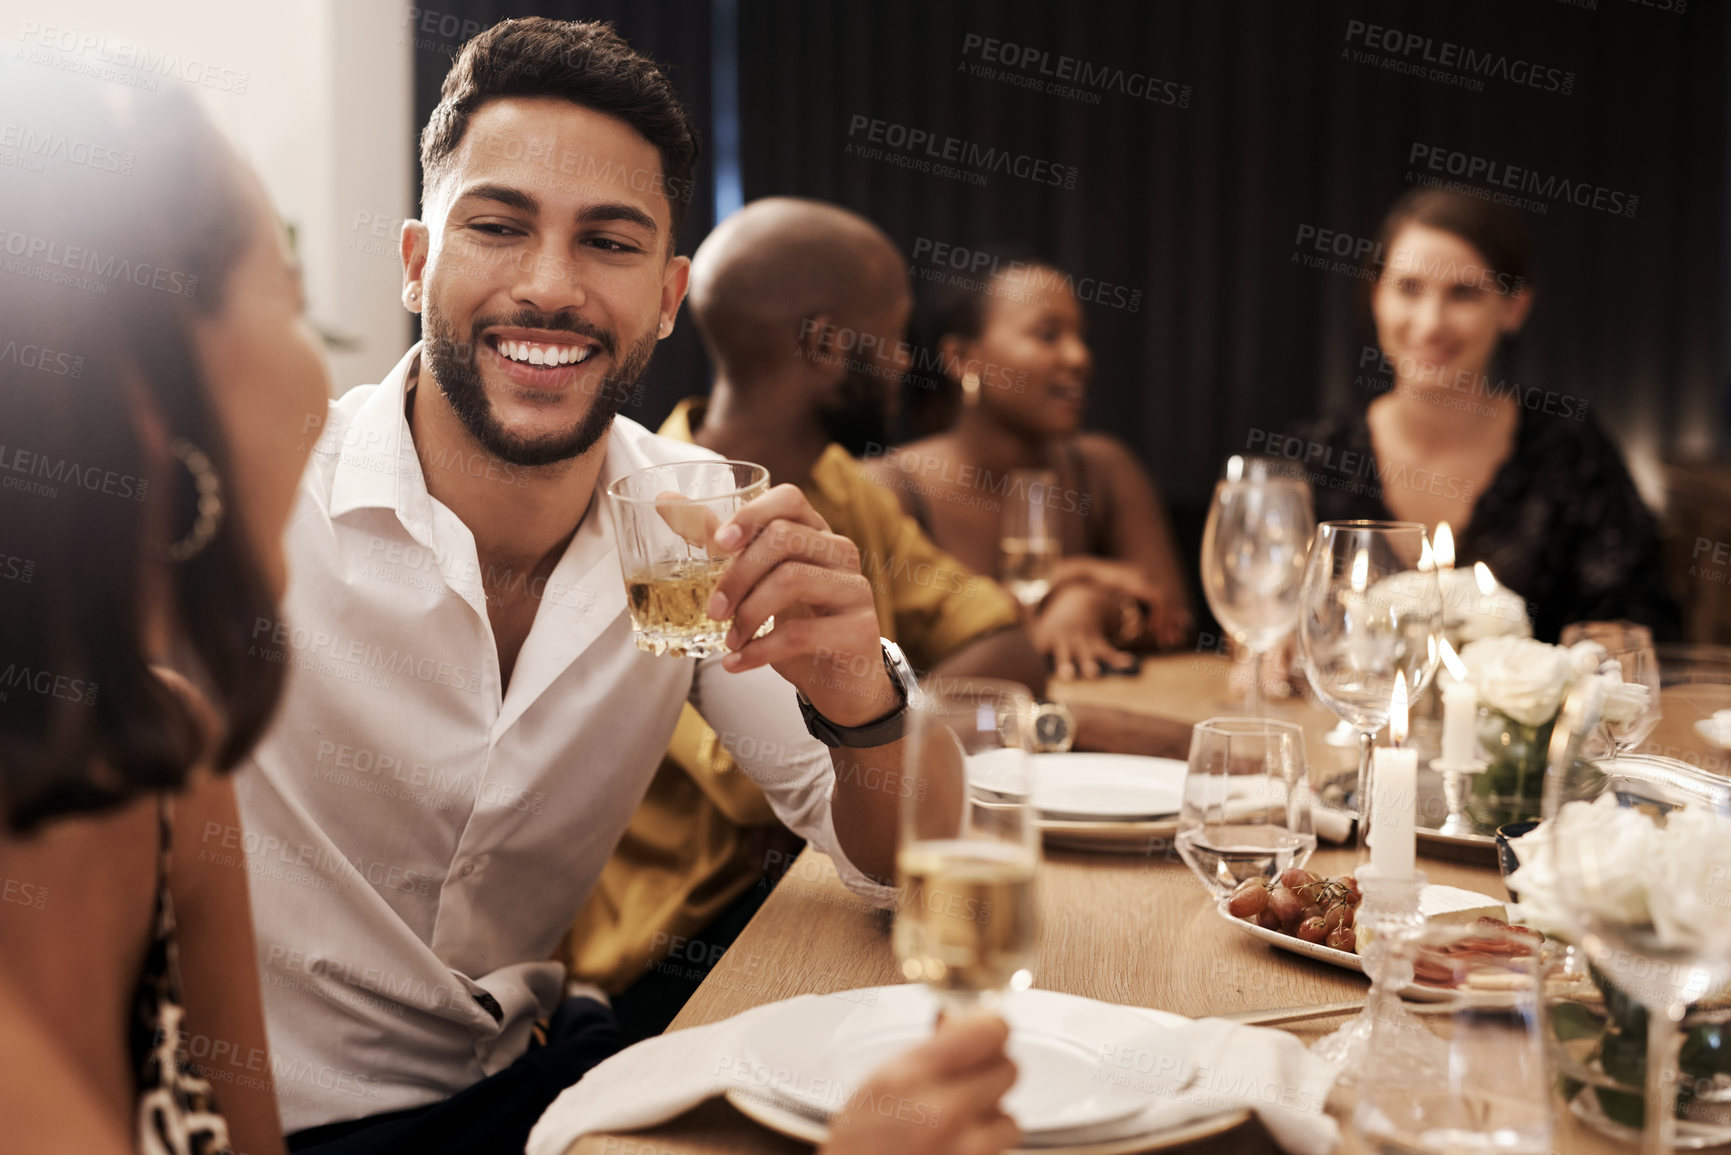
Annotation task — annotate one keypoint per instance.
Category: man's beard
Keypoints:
(857, 421)
(458, 376)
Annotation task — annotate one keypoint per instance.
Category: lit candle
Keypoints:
(1460, 711)
(1445, 547)
(1394, 789)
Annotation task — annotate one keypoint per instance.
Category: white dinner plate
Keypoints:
(1090, 787)
(779, 1119)
(1071, 1053)
(1323, 953)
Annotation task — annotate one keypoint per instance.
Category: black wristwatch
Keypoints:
(879, 731)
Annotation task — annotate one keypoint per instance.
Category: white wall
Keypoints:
(316, 94)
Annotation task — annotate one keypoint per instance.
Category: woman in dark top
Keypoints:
(1525, 478)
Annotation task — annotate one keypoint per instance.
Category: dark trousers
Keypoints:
(492, 1117)
(644, 1008)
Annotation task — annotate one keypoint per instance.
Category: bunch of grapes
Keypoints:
(1303, 905)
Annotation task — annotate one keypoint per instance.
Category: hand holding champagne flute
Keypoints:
(966, 865)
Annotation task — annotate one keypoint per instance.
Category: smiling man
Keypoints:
(469, 725)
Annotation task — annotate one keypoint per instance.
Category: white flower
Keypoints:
(1624, 701)
(1520, 677)
(1676, 876)
(1586, 658)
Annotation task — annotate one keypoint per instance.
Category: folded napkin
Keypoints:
(1232, 1066)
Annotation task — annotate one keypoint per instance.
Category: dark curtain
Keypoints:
(676, 34)
(1263, 127)
(1265, 124)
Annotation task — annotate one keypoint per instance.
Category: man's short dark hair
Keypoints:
(585, 62)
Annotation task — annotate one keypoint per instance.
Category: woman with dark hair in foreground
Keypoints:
(160, 392)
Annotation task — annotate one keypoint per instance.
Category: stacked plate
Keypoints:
(1086, 1069)
(1094, 801)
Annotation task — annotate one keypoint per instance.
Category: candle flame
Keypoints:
(1486, 580)
(1457, 669)
(1360, 571)
(1397, 712)
(1235, 468)
(1426, 561)
(1445, 546)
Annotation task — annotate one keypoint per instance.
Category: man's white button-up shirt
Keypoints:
(419, 836)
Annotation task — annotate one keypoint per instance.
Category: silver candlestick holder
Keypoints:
(1454, 775)
(1388, 916)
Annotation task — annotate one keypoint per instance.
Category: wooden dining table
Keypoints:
(1130, 928)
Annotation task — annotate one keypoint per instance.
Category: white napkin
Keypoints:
(1267, 1071)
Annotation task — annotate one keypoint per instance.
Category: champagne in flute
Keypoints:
(967, 923)
(1026, 566)
(1028, 549)
(966, 919)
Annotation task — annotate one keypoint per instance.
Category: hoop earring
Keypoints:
(210, 507)
(970, 388)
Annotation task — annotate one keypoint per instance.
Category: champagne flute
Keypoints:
(1641, 850)
(965, 920)
(1028, 544)
(1253, 551)
(1370, 608)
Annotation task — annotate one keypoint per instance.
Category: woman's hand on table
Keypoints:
(941, 1098)
(1071, 631)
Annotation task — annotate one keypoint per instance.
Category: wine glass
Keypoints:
(965, 920)
(1641, 851)
(1246, 810)
(1629, 654)
(1028, 543)
(1370, 609)
(1484, 1084)
(1253, 550)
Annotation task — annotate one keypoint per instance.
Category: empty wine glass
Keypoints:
(1484, 1085)
(1246, 810)
(1641, 849)
(965, 921)
(1370, 608)
(1253, 551)
(1630, 656)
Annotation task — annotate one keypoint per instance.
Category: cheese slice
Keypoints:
(1448, 905)
(1451, 904)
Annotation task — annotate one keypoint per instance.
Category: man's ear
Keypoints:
(415, 243)
(674, 282)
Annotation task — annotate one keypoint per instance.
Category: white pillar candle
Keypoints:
(1394, 802)
(1460, 715)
